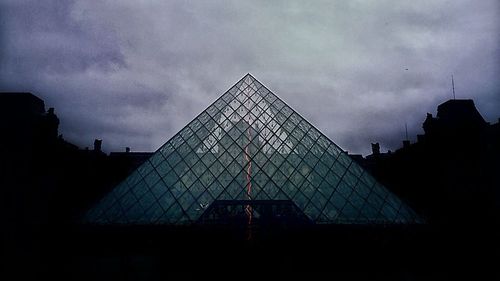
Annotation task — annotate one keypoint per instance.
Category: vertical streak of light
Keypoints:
(248, 208)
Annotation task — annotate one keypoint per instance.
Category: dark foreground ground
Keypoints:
(320, 253)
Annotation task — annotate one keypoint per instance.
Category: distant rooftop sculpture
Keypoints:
(249, 157)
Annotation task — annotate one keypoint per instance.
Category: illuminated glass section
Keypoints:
(249, 145)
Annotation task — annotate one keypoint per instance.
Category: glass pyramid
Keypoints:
(249, 145)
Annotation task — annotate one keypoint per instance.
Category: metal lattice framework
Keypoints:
(249, 145)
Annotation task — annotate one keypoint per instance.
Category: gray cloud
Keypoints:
(135, 72)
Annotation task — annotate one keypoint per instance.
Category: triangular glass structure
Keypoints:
(249, 146)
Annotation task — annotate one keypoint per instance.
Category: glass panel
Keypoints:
(338, 201)
(123, 187)
(215, 189)
(173, 214)
(147, 200)
(208, 158)
(216, 168)
(271, 189)
(393, 201)
(145, 168)
(225, 178)
(279, 178)
(170, 178)
(318, 200)
(207, 178)
(177, 189)
(128, 200)
(198, 169)
(350, 179)
(331, 212)
(195, 125)
(196, 189)
(163, 168)
(139, 189)
(220, 104)
(369, 212)
(173, 159)
(304, 169)
(297, 179)
(300, 200)
(355, 169)
(313, 134)
(204, 118)
(152, 214)
(344, 189)
(166, 149)
(156, 159)
(298, 134)
(176, 141)
(338, 169)
(327, 159)
(186, 133)
(159, 189)
(321, 169)
(344, 159)
(332, 178)
(326, 189)
(356, 200)
(389, 212)
(315, 179)
(289, 188)
(152, 178)
(186, 200)
(262, 196)
(349, 211)
(212, 111)
(367, 179)
(375, 201)
(234, 189)
(311, 211)
(362, 189)
(286, 169)
(188, 178)
(134, 213)
(307, 189)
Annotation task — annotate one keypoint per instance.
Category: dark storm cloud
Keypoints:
(135, 72)
(45, 36)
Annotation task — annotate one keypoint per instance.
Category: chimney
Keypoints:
(375, 148)
(420, 138)
(97, 145)
(127, 149)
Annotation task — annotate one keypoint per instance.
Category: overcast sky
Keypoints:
(134, 72)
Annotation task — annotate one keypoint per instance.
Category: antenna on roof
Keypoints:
(453, 86)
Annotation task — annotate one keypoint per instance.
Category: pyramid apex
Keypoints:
(249, 75)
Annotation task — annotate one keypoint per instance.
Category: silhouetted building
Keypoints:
(449, 173)
(25, 123)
